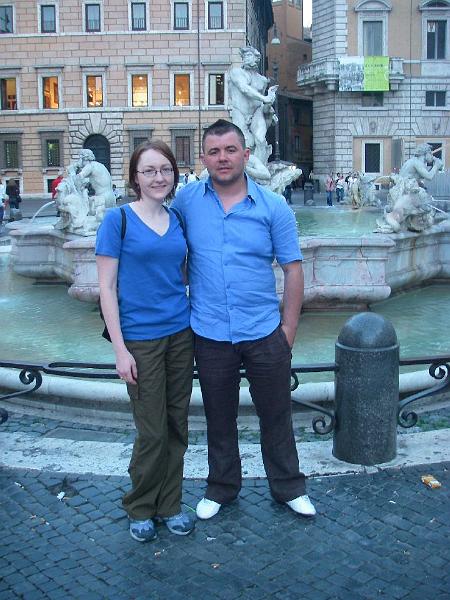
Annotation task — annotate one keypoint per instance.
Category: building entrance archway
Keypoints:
(101, 149)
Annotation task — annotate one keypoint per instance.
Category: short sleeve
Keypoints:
(109, 240)
(284, 232)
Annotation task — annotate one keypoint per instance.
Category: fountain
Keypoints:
(345, 271)
(65, 250)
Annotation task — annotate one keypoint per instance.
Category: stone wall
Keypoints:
(116, 53)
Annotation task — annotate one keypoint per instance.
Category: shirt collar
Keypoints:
(252, 190)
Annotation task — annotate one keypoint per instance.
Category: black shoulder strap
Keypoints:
(123, 227)
(180, 220)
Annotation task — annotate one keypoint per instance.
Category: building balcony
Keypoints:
(323, 75)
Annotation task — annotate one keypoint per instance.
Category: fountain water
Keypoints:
(41, 209)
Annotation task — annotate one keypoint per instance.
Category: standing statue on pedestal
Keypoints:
(251, 109)
(80, 212)
(409, 204)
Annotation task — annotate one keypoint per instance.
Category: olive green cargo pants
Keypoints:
(160, 404)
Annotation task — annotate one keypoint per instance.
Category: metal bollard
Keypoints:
(366, 391)
(308, 194)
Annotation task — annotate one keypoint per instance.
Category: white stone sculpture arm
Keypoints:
(237, 78)
(419, 169)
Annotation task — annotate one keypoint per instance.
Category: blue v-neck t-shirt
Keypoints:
(151, 289)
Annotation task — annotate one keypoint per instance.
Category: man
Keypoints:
(329, 188)
(340, 187)
(192, 176)
(234, 229)
(2, 200)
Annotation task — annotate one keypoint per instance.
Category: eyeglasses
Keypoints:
(151, 173)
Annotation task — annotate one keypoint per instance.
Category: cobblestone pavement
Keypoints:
(383, 535)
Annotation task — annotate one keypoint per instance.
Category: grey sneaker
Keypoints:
(142, 531)
(180, 524)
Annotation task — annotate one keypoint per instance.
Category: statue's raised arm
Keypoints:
(417, 166)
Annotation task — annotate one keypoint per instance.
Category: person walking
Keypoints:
(2, 201)
(288, 194)
(13, 193)
(192, 176)
(55, 183)
(140, 254)
(340, 187)
(329, 188)
(236, 318)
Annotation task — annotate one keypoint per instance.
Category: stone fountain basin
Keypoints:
(344, 272)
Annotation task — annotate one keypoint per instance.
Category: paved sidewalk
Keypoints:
(380, 533)
(383, 535)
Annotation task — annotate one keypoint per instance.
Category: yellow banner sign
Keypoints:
(364, 74)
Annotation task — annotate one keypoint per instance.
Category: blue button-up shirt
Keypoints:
(232, 285)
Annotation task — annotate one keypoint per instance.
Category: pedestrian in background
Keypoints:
(13, 193)
(340, 187)
(192, 176)
(288, 194)
(2, 200)
(329, 188)
(117, 193)
(55, 184)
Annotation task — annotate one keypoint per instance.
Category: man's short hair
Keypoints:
(221, 127)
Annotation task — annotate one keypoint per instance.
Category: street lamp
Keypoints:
(276, 154)
(275, 39)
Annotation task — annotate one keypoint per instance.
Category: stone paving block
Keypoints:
(243, 540)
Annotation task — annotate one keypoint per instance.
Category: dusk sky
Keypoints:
(307, 12)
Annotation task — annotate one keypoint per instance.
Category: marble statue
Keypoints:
(361, 191)
(282, 175)
(251, 109)
(409, 205)
(354, 192)
(80, 212)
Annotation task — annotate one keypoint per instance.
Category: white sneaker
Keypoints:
(207, 508)
(303, 506)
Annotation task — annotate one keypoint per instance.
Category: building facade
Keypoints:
(109, 74)
(283, 61)
(375, 128)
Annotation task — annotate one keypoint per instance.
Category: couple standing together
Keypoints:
(233, 229)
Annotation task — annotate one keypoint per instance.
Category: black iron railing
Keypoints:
(30, 374)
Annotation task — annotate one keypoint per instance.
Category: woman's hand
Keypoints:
(126, 366)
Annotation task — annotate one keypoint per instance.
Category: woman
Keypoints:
(13, 193)
(145, 307)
